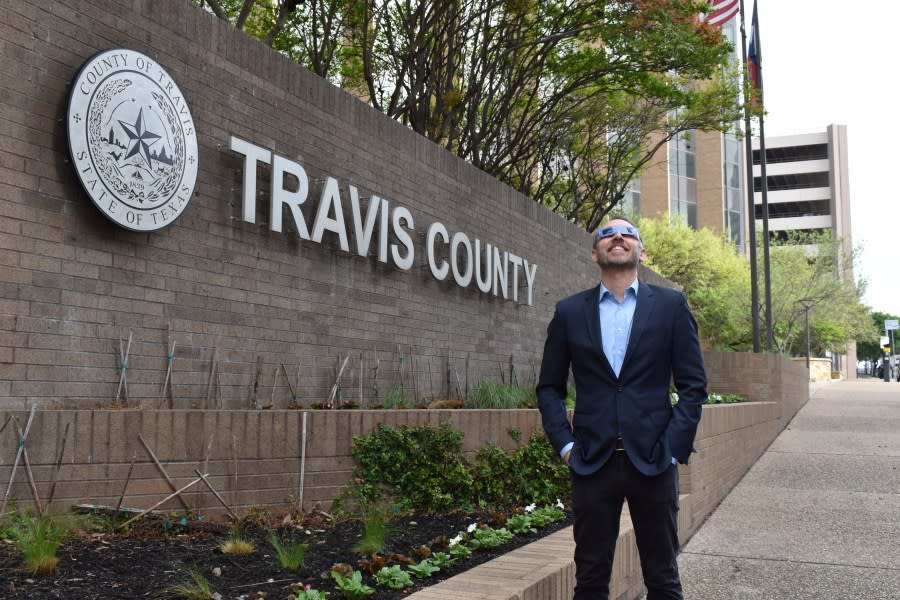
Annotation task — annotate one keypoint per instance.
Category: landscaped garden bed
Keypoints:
(417, 512)
(159, 556)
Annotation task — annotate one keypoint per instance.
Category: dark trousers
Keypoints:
(597, 506)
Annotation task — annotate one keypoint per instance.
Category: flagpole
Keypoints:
(751, 204)
(764, 186)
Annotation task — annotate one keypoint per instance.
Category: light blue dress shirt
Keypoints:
(615, 323)
(615, 329)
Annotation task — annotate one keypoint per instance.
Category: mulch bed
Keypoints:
(152, 558)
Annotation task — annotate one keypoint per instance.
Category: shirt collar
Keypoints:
(605, 290)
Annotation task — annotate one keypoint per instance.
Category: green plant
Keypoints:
(258, 515)
(491, 395)
(351, 586)
(533, 473)
(38, 539)
(423, 467)
(459, 551)
(488, 537)
(424, 568)
(237, 544)
(290, 555)
(442, 560)
(545, 515)
(394, 578)
(520, 524)
(301, 591)
(394, 397)
(198, 588)
(717, 398)
(377, 529)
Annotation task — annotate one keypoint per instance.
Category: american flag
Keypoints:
(721, 11)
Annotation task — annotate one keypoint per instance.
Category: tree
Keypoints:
(715, 278)
(812, 272)
(564, 100)
(868, 345)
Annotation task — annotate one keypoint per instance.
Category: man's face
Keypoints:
(618, 251)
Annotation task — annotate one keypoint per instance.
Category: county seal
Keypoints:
(132, 139)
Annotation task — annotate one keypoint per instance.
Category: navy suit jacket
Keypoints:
(635, 406)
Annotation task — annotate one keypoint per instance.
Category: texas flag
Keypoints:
(754, 54)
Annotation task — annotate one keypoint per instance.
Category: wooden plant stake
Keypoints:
(274, 385)
(234, 461)
(124, 487)
(176, 493)
(337, 380)
(400, 371)
(213, 373)
(287, 378)
(162, 470)
(59, 460)
(123, 357)
(19, 453)
(467, 375)
(413, 380)
(375, 378)
(166, 391)
(37, 498)
(216, 494)
(254, 399)
(208, 451)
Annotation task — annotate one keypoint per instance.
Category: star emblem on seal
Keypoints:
(141, 138)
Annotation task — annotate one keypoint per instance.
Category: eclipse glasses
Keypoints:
(625, 230)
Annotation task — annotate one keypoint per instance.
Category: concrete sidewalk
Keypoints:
(818, 516)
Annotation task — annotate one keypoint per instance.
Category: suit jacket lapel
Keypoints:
(592, 318)
(642, 312)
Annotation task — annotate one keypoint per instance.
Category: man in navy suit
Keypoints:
(625, 341)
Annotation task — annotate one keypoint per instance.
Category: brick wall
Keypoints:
(253, 457)
(257, 456)
(232, 296)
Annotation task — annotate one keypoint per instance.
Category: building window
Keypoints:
(734, 190)
(683, 177)
(631, 200)
(793, 154)
(802, 208)
(793, 181)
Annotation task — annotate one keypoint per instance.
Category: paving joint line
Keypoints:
(789, 560)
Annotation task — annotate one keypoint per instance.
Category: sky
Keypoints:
(831, 62)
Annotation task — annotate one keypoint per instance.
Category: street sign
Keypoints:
(891, 324)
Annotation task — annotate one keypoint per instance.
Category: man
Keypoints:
(625, 341)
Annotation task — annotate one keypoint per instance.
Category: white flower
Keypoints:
(530, 507)
(472, 527)
(560, 504)
(456, 540)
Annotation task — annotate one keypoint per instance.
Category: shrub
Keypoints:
(423, 467)
(533, 473)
